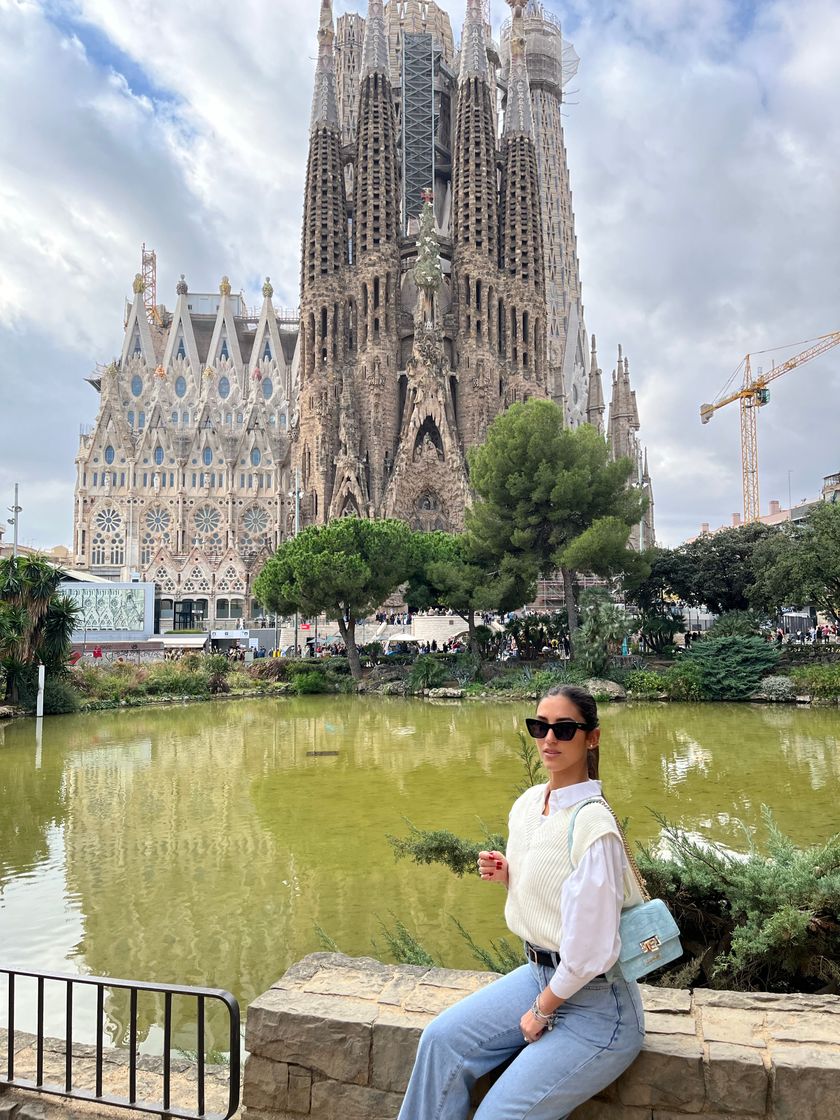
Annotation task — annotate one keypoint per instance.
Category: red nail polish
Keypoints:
(498, 866)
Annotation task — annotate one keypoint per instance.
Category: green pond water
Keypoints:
(204, 844)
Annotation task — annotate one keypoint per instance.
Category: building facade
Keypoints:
(439, 285)
(184, 478)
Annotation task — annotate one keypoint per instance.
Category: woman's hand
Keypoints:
(531, 1027)
(493, 867)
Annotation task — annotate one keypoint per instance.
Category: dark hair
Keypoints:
(585, 703)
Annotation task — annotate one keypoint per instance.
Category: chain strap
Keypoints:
(631, 859)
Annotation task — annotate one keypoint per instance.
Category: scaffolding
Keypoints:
(418, 121)
(149, 274)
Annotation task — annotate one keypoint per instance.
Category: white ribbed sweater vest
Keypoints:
(539, 864)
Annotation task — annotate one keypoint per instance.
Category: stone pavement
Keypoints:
(20, 1104)
(335, 1038)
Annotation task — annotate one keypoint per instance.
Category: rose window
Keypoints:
(108, 520)
(207, 519)
(255, 521)
(158, 520)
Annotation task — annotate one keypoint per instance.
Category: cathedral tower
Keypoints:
(521, 254)
(478, 300)
(324, 306)
(376, 257)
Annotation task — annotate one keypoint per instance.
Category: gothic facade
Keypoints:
(184, 478)
(439, 285)
(398, 382)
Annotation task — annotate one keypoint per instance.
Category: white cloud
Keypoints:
(704, 148)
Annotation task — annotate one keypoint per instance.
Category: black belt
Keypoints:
(546, 959)
(541, 956)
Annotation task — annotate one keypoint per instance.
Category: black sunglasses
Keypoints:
(564, 729)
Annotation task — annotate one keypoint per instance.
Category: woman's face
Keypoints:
(564, 761)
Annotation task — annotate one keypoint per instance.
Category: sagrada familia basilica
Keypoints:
(439, 285)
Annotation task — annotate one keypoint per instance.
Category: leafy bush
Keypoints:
(427, 672)
(737, 624)
(60, 697)
(168, 678)
(309, 683)
(822, 681)
(682, 681)
(217, 667)
(730, 668)
(644, 682)
(760, 923)
(779, 689)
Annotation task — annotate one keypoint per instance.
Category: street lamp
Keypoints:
(15, 511)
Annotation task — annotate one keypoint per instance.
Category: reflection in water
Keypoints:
(203, 844)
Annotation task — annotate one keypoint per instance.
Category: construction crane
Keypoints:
(149, 274)
(753, 395)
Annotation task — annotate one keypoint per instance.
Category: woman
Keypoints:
(569, 1029)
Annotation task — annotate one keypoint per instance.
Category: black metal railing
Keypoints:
(165, 1106)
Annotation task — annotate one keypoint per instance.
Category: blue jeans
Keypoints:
(597, 1035)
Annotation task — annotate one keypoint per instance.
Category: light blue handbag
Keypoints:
(650, 937)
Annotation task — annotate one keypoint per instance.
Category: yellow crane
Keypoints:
(753, 395)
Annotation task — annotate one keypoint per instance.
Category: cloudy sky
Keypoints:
(704, 145)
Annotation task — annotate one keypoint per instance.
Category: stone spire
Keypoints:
(473, 47)
(375, 50)
(595, 407)
(324, 99)
(519, 117)
(522, 236)
(324, 249)
(475, 199)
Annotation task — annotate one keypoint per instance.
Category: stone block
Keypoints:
(300, 1089)
(393, 1052)
(605, 1110)
(333, 1101)
(736, 1080)
(766, 1001)
(806, 1084)
(265, 1085)
(8, 1105)
(662, 1023)
(31, 1110)
(667, 1074)
(259, 1114)
(739, 1027)
(330, 1035)
(803, 1026)
(674, 1000)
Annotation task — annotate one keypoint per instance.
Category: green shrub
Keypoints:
(644, 682)
(737, 624)
(753, 922)
(60, 697)
(682, 681)
(216, 667)
(307, 684)
(779, 689)
(822, 681)
(427, 672)
(730, 668)
(169, 678)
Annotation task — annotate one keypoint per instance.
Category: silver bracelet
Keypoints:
(538, 1014)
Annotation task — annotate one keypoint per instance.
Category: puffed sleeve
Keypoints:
(590, 909)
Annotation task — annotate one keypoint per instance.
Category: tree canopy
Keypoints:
(36, 622)
(799, 564)
(549, 499)
(346, 568)
(451, 572)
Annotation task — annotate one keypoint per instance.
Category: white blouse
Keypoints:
(590, 902)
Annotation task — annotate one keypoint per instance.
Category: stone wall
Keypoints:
(335, 1038)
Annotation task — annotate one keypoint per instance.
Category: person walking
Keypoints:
(570, 1026)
